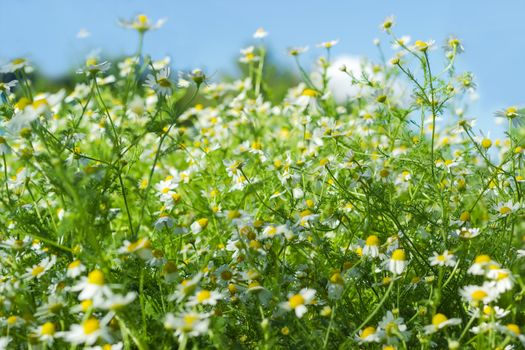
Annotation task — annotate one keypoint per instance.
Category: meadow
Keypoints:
(146, 208)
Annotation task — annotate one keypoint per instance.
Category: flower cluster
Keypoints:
(142, 207)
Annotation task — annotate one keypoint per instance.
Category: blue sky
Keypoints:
(209, 33)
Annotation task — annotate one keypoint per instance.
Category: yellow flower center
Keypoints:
(438, 319)
(296, 300)
(164, 82)
(399, 255)
(37, 270)
(11, 320)
(309, 93)
(48, 328)
(504, 210)
(189, 320)
(74, 264)
(96, 277)
(91, 325)
(86, 304)
(514, 328)
(203, 222)
(480, 259)
(368, 331)
(372, 240)
(478, 295)
(203, 295)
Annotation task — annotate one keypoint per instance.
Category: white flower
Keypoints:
(481, 263)
(328, 44)
(444, 259)
(199, 225)
(369, 335)
(75, 269)
(298, 302)
(502, 279)
(190, 323)
(440, 321)
(205, 297)
(397, 262)
(506, 208)
(479, 294)
(371, 247)
(4, 342)
(38, 271)
(14, 65)
(260, 33)
(92, 286)
(115, 302)
(88, 332)
(160, 82)
(142, 23)
(46, 332)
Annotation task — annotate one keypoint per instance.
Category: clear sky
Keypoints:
(209, 33)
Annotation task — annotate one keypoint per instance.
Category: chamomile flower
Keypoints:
(92, 286)
(188, 323)
(142, 23)
(479, 294)
(397, 262)
(75, 269)
(504, 209)
(260, 33)
(205, 297)
(46, 332)
(440, 321)
(199, 225)
(160, 82)
(369, 335)
(481, 263)
(371, 247)
(298, 302)
(443, 259)
(87, 332)
(40, 269)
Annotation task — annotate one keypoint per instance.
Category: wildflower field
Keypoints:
(149, 209)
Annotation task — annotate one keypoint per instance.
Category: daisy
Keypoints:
(369, 335)
(160, 82)
(502, 279)
(397, 262)
(141, 247)
(38, 271)
(93, 67)
(187, 323)
(92, 286)
(479, 294)
(199, 225)
(14, 65)
(88, 332)
(328, 44)
(46, 332)
(75, 269)
(468, 233)
(393, 327)
(371, 247)
(4, 342)
(298, 302)
(444, 259)
(115, 302)
(205, 297)
(440, 321)
(260, 33)
(506, 208)
(142, 23)
(481, 262)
